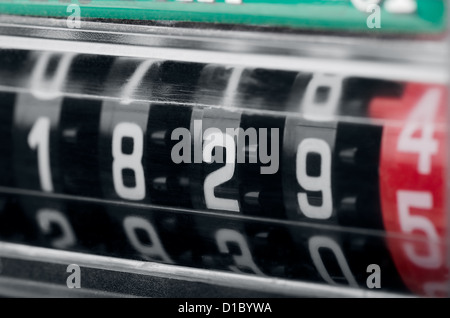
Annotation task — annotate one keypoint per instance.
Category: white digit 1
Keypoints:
(317, 242)
(128, 161)
(39, 138)
(46, 217)
(410, 223)
(156, 250)
(321, 183)
(222, 175)
(224, 236)
(421, 119)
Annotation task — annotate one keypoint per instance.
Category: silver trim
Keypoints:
(387, 57)
(20, 288)
(375, 69)
(251, 283)
(364, 46)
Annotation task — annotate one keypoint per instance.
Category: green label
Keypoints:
(405, 16)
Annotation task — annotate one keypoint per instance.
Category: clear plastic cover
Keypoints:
(226, 156)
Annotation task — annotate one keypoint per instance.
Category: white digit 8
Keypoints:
(410, 223)
(128, 161)
(321, 183)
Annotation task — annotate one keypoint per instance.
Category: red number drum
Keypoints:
(412, 184)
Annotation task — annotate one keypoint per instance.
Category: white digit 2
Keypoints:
(421, 119)
(128, 161)
(46, 217)
(224, 236)
(39, 138)
(410, 223)
(321, 183)
(222, 175)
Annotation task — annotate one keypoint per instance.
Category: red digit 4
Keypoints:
(412, 182)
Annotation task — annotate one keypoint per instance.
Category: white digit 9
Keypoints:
(128, 161)
(410, 223)
(321, 183)
(39, 138)
(155, 250)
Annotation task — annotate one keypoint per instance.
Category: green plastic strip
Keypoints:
(400, 16)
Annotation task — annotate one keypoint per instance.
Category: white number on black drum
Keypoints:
(213, 174)
(36, 120)
(122, 142)
(122, 151)
(308, 169)
(152, 235)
